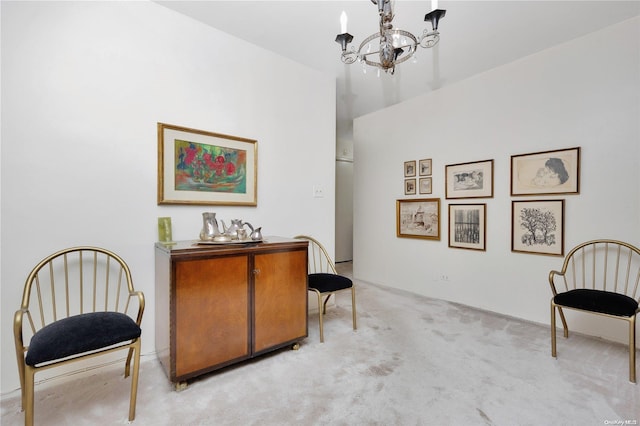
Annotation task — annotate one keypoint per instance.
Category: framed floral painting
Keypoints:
(205, 168)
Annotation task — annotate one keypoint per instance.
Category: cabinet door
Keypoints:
(211, 313)
(280, 283)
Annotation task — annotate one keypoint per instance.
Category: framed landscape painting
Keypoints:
(548, 172)
(469, 180)
(418, 218)
(537, 226)
(205, 168)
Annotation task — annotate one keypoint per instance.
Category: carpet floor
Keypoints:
(412, 361)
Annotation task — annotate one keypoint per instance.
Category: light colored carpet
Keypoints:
(412, 361)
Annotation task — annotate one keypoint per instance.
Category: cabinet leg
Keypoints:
(180, 386)
(295, 346)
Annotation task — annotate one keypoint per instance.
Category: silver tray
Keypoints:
(218, 243)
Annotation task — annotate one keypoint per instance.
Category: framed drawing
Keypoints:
(419, 218)
(425, 167)
(204, 168)
(549, 172)
(410, 168)
(468, 226)
(537, 226)
(425, 185)
(469, 180)
(409, 187)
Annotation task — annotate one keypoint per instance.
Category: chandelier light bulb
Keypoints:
(343, 22)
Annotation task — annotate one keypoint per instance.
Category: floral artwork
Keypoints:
(201, 167)
(206, 168)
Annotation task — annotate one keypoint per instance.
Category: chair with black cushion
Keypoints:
(325, 281)
(76, 306)
(599, 277)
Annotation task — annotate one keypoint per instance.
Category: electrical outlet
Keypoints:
(444, 277)
(318, 191)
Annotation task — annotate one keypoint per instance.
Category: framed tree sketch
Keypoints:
(418, 218)
(537, 226)
(548, 172)
(469, 180)
(205, 168)
(425, 185)
(410, 168)
(468, 226)
(409, 187)
(425, 167)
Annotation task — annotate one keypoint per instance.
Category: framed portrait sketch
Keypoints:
(206, 168)
(409, 187)
(425, 167)
(418, 218)
(410, 168)
(537, 226)
(469, 180)
(468, 226)
(425, 185)
(549, 172)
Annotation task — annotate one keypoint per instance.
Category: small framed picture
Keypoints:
(468, 226)
(425, 167)
(548, 172)
(425, 185)
(409, 187)
(410, 168)
(469, 180)
(537, 226)
(418, 218)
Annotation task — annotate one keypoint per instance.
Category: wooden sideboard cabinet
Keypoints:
(217, 305)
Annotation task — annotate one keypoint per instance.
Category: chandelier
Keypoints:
(395, 46)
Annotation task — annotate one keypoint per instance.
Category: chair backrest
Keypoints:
(607, 265)
(74, 281)
(319, 260)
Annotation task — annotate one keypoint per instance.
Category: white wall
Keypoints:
(583, 93)
(83, 86)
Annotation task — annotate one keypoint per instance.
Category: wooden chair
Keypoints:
(74, 307)
(325, 281)
(600, 277)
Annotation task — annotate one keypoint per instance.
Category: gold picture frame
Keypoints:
(410, 187)
(198, 167)
(418, 218)
(425, 185)
(410, 168)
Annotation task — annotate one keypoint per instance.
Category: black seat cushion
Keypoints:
(80, 333)
(329, 282)
(604, 302)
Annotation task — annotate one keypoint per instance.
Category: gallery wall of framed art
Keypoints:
(537, 225)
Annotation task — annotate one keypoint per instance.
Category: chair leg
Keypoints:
(324, 305)
(134, 380)
(553, 329)
(320, 314)
(127, 365)
(28, 395)
(632, 349)
(353, 306)
(564, 323)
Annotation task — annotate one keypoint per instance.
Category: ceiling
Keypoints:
(476, 36)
